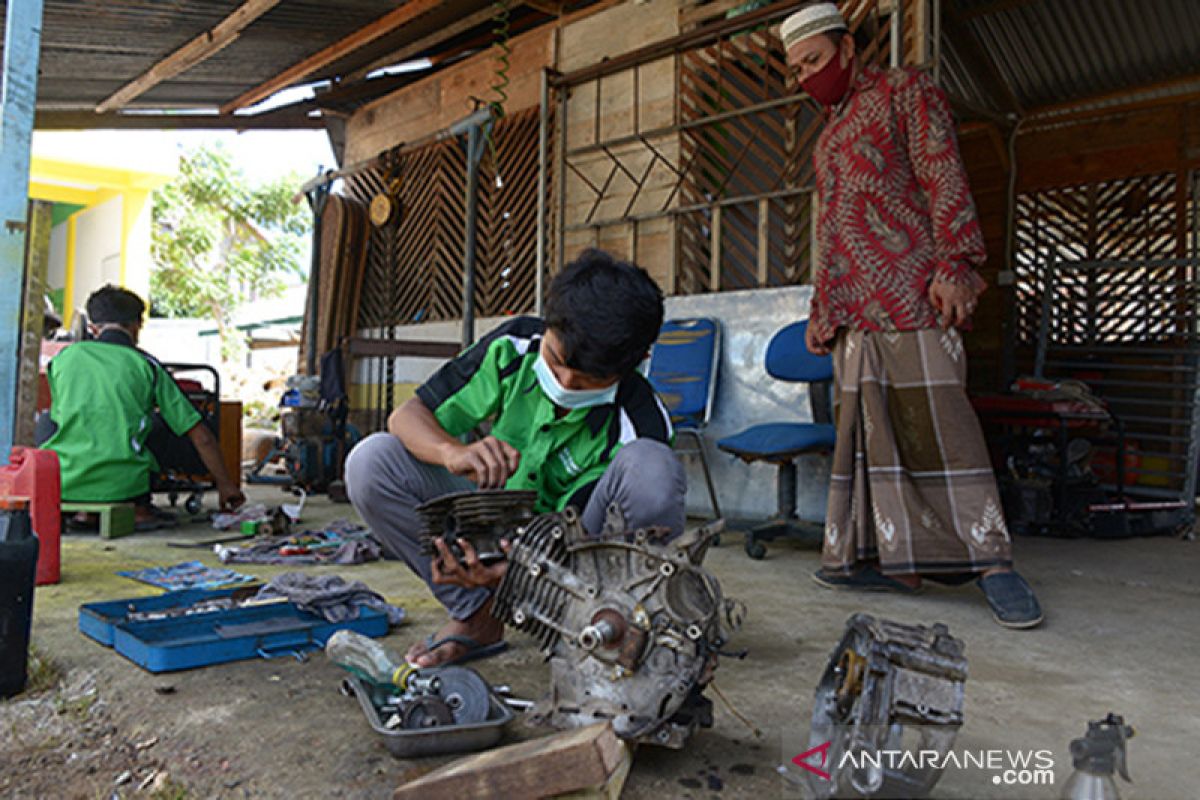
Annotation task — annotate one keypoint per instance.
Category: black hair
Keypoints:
(112, 304)
(605, 312)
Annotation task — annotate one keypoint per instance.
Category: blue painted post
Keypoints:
(22, 44)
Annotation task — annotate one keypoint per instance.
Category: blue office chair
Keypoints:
(683, 370)
(781, 443)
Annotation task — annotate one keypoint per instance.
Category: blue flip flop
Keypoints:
(475, 650)
(1013, 603)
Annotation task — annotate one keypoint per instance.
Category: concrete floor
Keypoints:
(1121, 635)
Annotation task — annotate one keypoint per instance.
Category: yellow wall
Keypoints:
(90, 186)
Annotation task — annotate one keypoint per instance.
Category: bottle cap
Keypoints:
(14, 503)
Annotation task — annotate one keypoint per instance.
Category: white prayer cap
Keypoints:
(809, 21)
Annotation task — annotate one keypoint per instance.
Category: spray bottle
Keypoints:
(1095, 756)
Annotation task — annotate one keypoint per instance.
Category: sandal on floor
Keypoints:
(867, 579)
(475, 650)
(1013, 603)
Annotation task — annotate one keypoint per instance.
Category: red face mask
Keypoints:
(829, 84)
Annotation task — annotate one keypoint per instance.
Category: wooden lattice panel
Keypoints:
(755, 161)
(414, 266)
(1142, 218)
(751, 156)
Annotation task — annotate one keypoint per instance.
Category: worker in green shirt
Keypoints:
(104, 392)
(571, 419)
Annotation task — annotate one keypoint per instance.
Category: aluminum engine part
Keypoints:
(434, 697)
(481, 517)
(883, 679)
(630, 622)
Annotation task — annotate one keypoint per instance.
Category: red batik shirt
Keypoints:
(895, 209)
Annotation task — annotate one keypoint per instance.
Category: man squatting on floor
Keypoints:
(571, 419)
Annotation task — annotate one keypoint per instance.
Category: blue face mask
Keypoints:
(570, 398)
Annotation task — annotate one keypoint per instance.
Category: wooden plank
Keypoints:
(194, 52)
(368, 348)
(698, 15)
(552, 765)
(287, 118)
(363, 36)
(415, 49)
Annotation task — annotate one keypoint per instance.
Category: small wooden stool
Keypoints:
(116, 519)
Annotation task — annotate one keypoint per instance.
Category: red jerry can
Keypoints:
(34, 474)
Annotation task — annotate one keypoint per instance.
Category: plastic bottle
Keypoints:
(18, 565)
(368, 659)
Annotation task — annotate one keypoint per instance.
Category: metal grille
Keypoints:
(730, 177)
(1131, 331)
(1108, 279)
(414, 263)
(1144, 218)
(746, 183)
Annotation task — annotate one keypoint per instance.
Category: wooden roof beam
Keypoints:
(197, 50)
(420, 46)
(363, 36)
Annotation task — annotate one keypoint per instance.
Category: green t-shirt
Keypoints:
(561, 459)
(103, 394)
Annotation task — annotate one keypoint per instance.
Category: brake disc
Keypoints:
(465, 693)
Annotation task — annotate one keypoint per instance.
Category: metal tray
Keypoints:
(434, 741)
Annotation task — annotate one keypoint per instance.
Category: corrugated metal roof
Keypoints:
(1055, 51)
(91, 48)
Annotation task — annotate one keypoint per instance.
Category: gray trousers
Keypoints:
(386, 483)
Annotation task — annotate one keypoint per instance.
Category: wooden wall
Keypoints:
(1121, 144)
(986, 159)
(430, 105)
(578, 41)
(587, 42)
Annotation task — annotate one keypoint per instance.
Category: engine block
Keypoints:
(630, 622)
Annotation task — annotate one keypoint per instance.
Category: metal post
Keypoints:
(317, 197)
(22, 45)
(897, 33)
(1045, 324)
(560, 157)
(543, 165)
(475, 141)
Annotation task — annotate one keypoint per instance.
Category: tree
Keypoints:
(219, 243)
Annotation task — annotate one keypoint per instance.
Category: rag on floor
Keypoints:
(330, 596)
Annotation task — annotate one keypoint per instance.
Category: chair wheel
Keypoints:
(755, 549)
(716, 541)
(192, 504)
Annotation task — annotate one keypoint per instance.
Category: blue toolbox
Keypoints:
(191, 628)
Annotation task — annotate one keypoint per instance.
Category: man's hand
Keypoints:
(447, 569)
(488, 462)
(230, 496)
(813, 342)
(954, 302)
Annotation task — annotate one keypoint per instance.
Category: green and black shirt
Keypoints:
(102, 398)
(561, 458)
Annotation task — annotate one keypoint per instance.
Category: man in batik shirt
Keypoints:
(912, 491)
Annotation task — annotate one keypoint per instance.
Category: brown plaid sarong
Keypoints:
(912, 484)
